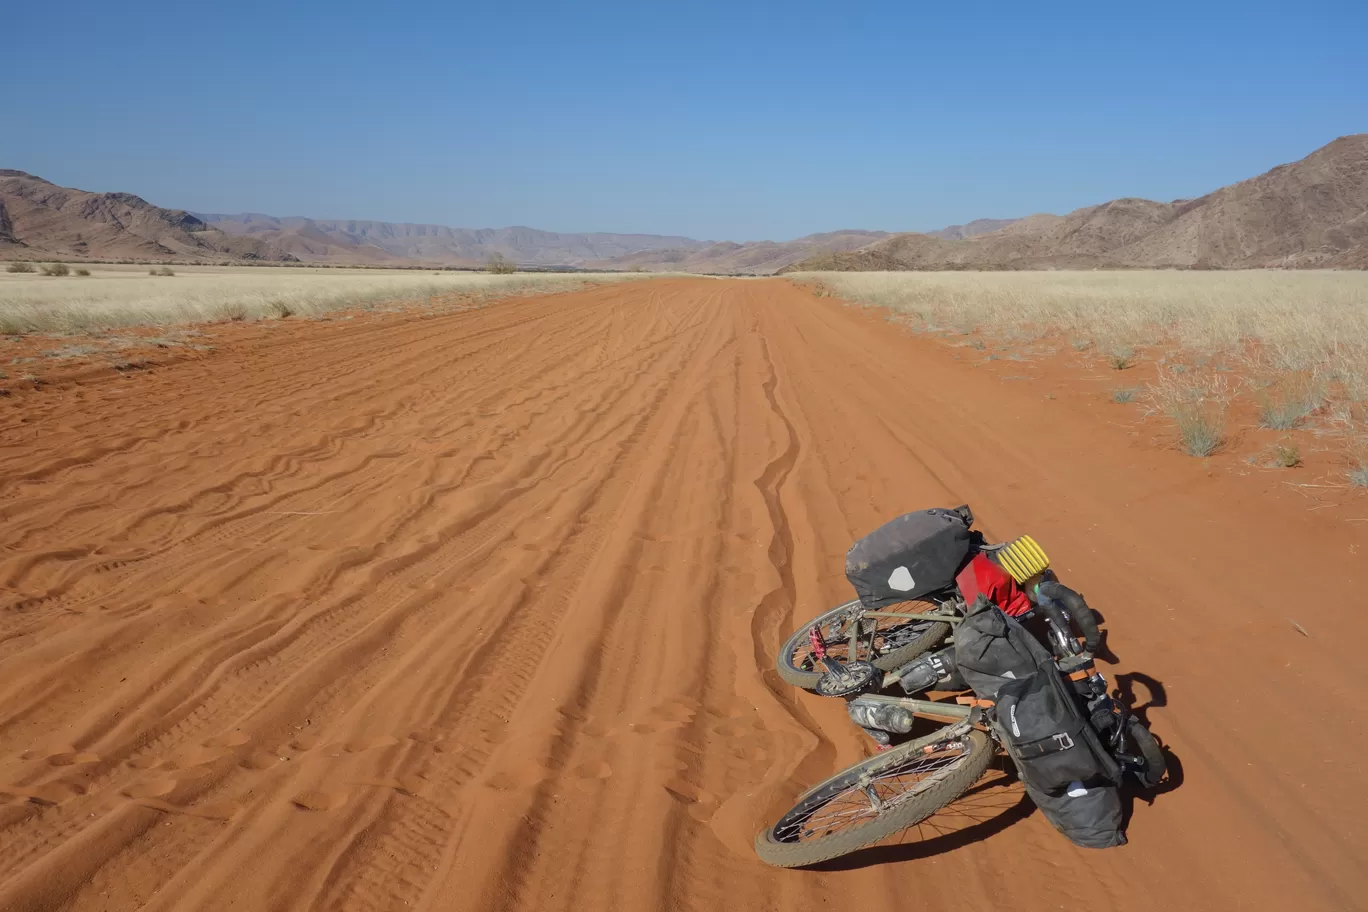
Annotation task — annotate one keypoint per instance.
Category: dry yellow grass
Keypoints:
(1307, 321)
(1295, 341)
(116, 296)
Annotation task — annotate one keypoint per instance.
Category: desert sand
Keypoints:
(479, 610)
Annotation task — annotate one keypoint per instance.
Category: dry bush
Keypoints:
(56, 269)
(1286, 455)
(19, 267)
(1120, 359)
(234, 311)
(1197, 405)
(500, 265)
(82, 271)
(161, 271)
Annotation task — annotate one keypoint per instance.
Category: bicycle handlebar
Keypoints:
(1052, 595)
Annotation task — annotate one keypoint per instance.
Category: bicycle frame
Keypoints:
(926, 709)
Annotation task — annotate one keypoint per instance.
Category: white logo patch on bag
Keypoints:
(901, 580)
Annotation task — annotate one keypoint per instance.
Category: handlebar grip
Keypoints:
(1051, 591)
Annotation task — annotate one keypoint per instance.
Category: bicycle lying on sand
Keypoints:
(853, 652)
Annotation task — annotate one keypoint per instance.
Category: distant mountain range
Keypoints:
(1313, 212)
(39, 219)
(382, 242)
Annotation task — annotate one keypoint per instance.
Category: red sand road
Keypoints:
(478, 611)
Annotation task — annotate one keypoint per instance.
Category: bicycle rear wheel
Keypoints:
(897, 641)
(876, 798)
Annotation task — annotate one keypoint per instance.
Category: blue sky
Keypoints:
(736, 120)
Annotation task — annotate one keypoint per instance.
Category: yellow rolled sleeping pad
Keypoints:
(1023, 559)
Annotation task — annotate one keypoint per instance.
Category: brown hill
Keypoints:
(750, 258)
(1313, 212)
(39, 219)
(973, 229)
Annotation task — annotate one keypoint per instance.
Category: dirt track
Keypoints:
(478, 612)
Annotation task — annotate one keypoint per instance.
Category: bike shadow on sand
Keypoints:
(1155, 697)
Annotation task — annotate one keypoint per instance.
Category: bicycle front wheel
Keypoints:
(876, 798)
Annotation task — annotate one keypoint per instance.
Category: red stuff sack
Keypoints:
(982, 576)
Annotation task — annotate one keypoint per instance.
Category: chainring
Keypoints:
(852, 678)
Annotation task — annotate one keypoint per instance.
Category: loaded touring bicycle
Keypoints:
(941, 610)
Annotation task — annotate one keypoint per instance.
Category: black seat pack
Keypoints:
(909, 557)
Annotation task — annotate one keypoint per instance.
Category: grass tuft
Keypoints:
(1286, 401)
(1125, 394)
(1197, 406)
